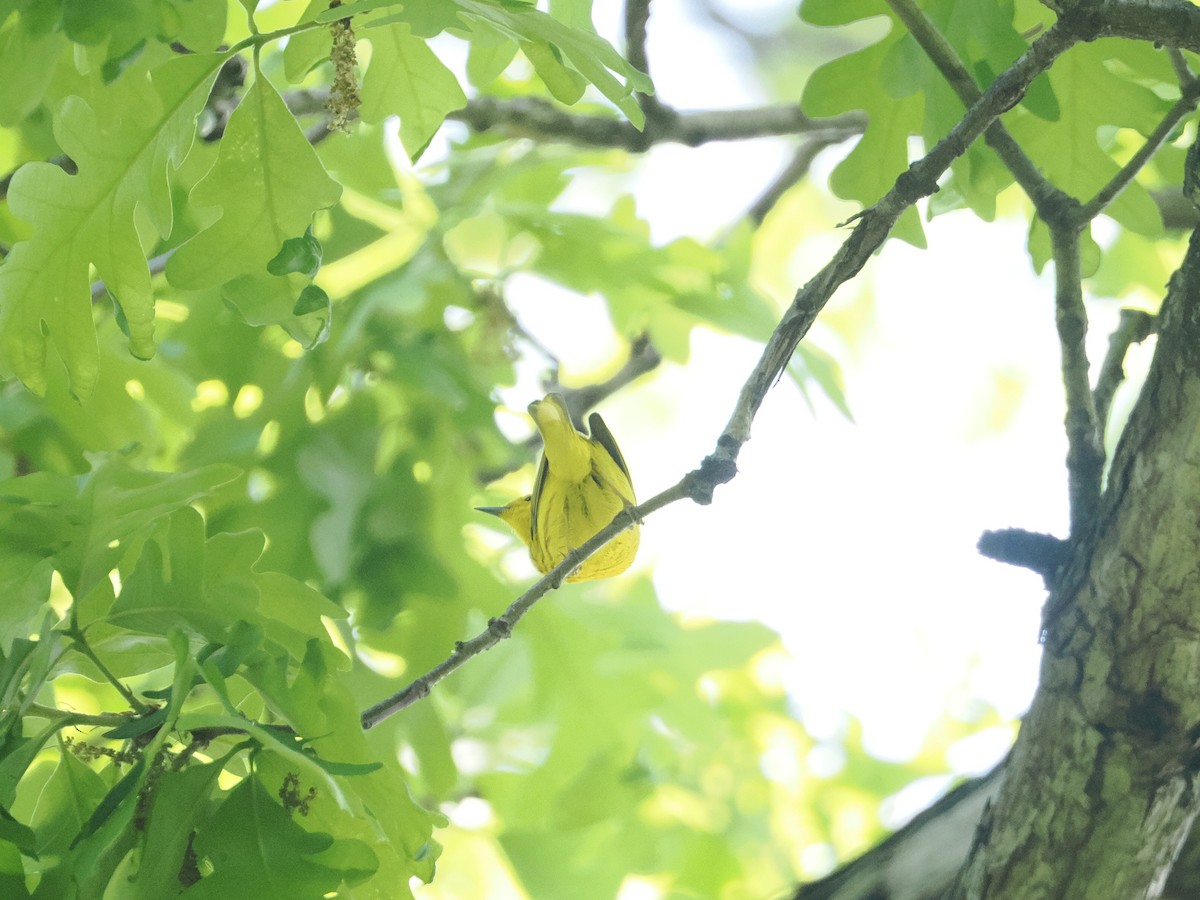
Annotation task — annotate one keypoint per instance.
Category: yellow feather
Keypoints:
(582, 483)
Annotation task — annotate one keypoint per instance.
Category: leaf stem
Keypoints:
(1186, 103)
(79, 642)
(258, 39)
(65, 719)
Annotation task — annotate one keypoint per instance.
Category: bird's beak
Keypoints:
(491, 510)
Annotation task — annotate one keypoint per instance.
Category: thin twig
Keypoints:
(537, 118)
(720, 466)
(874, 225)
(156, 266)
(1134, 327)
(637, 15)
(79, 642)
(1085, 445)
(1182, 70)
(643, 357)
(792, 173)
(1108, 193)
(501, 627)
(1036, 186)
(65, 718)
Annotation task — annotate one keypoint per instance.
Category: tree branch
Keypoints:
(1036, 186)
(1171, 23)
(1186, 103)
(501, 627)
(792, 173)
(643, 357)
(637, 15)
(1085, 446)
(1134, 327)
(537, 118)
(1043, 553)
(720, 466)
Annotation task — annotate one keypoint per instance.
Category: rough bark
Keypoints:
(1100, 791)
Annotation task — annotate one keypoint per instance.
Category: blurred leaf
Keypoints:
(118, 502)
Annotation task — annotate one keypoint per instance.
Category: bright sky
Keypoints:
(855, 541)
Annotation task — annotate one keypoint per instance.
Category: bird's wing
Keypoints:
(539, 482)
(601, 434)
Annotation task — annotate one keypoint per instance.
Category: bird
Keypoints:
(582, 482)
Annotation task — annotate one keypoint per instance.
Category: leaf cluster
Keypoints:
(251, 376)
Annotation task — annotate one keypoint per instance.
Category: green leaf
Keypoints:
(88, 219)
(857, 81)
(182, 803)
(814, 364)
(112, 801)
(586, 52)
(840, 12)
(243, 640)
(268, 182)
(490, 54)
(303, 310)
(25, 583)
(67, 802)
(427, 17)
(565, 84)
(28, 58)
(137, 726)
(251, 840)
(405, 78)
(17, 833)
(118, 502)
(301, 255)
(294, 612)
(552, 41)
(1095, 98)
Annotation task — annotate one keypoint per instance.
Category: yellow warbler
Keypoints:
(582, 483)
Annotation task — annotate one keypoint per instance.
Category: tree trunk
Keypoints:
(1100, 790)
(1098, 796)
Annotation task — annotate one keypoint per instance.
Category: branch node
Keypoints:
(1082, 21)
(717, 468)
(1043, 553)
(499, 628)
